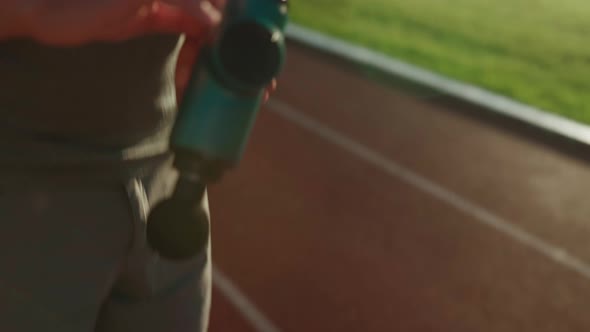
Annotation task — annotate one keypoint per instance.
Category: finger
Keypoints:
(219, 4)
(119, 21)
(159, 17)
(167, 18)
(266, 97)
(202, 10)
(273, 85)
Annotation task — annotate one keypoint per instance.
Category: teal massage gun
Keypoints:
(215, 118)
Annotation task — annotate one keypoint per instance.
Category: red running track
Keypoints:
(363, 208)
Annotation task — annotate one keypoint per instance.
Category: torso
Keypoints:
(101, 101)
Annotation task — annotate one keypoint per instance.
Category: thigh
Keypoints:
(179, 303)
(62, 247)
(153, 294)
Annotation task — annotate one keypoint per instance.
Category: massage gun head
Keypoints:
(178, 229)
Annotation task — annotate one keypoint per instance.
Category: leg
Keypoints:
(152, 294)
(63, 243)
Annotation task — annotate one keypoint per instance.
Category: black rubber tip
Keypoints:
(178, 229)
(250, 53)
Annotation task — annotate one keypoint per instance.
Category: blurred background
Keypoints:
(442, 189)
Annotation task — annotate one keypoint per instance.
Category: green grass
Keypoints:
(535, 51)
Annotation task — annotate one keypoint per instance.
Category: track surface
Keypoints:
(359, 207)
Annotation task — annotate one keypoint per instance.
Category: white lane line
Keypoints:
(480, 214)
(254, 316)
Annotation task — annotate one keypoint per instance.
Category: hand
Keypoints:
(186, 60)
(74, 22)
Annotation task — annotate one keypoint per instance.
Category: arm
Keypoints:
(13, 19)
(75, 22)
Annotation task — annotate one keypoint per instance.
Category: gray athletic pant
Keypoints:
(74, 257)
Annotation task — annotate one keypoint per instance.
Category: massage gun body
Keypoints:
(216, 116)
